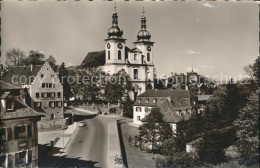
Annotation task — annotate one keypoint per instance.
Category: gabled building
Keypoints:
(137, 62)
(18, 129)
(43, 86)
(173, 104)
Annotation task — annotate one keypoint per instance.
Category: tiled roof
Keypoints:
(4, 95)
(13, 76)
(7, 86)
(168, 93)
(94, 59)
(169, 112)
(21, 111)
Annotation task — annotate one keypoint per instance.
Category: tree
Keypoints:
(249, 71)
(14, 56)
(117, 86)
(247, 126)
(128, 107)
(63, 76)
(34, 58)
(155, 131)
(256, 70)
(52, 61)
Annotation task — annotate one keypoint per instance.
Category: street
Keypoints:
(89, 145)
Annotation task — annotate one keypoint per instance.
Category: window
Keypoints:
(148, 75)
(146, 100)
(37, 95)
(148, 56)
(52, 76)
(139, 100)
(3, 134)
(42, 75)
(138, 118)
(135, 57)
(44, 85)
(59, 94)
(9, 104)
(146, 109)
(108, 55)
(58, 103)
(52, 94)
(19, 132)
(119, 54)
(138, 109)
(20, 158)
(135, 73)
(44, 95)
(51, 104)
(154, 101)
(37, 104)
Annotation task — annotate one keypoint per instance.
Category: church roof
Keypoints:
(94, 59)
(168, 93)
(135, 49)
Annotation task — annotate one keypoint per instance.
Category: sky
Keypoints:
(215, 37)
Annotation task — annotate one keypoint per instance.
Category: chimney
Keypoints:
(31, 67)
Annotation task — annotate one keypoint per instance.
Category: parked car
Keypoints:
(82, 124)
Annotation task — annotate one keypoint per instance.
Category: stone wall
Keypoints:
(52, 124)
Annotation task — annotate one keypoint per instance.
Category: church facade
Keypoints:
(137, 61)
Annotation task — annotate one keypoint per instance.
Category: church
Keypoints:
(137, 61)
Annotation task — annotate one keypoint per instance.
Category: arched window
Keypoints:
(119, 54)
(148, 56)
(108, 55)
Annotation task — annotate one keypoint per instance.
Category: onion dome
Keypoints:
(115, 31)
(143, 34)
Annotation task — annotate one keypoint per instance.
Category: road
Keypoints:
(89, 145)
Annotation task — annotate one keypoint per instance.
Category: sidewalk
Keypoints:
(60, 138)
(114, 150)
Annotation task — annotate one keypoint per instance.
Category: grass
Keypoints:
(135, 157)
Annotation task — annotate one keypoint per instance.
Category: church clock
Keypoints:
(120, 46)
(108, 46)
(148, 48)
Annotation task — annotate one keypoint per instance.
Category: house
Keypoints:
(18, 129)
(43, 86)
(175, 105)
(137, 61)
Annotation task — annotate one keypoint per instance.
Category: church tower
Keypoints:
(115, 46)
(143, 42)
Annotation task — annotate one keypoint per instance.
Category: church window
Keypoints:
(148, 56)
(119, 54)
(108, 55)
(135, 57)
(135, 73)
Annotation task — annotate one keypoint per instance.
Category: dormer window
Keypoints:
(154, 101)
(42, 75)
(139, 100)
(9, 104)
(147, 101)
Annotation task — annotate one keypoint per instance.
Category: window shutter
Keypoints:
(16, 133)
(16, 159)
(29, 130)
(9, 133)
